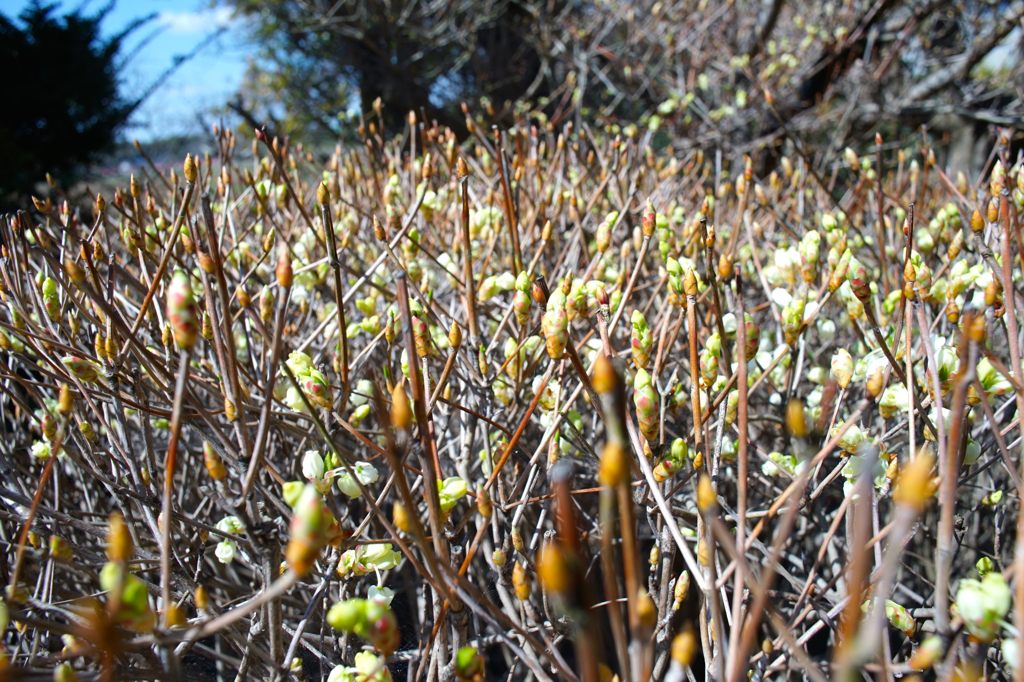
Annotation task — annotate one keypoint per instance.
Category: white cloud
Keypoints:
(195, 22)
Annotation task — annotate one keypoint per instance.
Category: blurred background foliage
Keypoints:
(688, 72)
(692, 69)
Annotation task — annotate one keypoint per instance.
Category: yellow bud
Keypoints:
(175, 616)
(483, 502)
(992, 292)
(796, 420)
(401, 413)
(65, 400)
(206, 262)
(614, 466)
(605, 376)
(190, 169)
(683, 646)
(977, 221)
(401, 517)
(874, 384)
(647, 611)
(707, 500)
(681, 588)
(552, 569)
(690, 283)
(977, 329)
(521, 581)
(455, 335)
(202, 599)
(119, 539)
(75, 273)
(112, 346)
(323, 195)
(517, 540)
(914, 487)
(214, 464)
(284, 268)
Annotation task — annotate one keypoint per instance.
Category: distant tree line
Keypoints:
(699, 69)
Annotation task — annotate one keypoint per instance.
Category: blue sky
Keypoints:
(201, 84)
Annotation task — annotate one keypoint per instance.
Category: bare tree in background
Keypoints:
(837, 70)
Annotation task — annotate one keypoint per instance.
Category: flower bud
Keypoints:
(189, 168)
(207, 328)
(521, 581)
(182, 311)
(266, 304)
(842, 367)
(646, 401)
(521, 299)
(555, 324)
(242, 296)
(379, 231)
(455, 335)
(852, 159)
(997, 180)
(307, 531)
(483, 502)
(859, 280)
(284, 268)
(202, 599)
(119, 540)
(982, 604)
(707, 499)
(683, 647)
(914, 482)
(382, 628)
(977, 221)
(690, 283)
(641, 340)
(648, 220)
(681, 588)
(74, 271)
(65, 400)
(80, 368)
(839, 274)
(401, 412)
(214, 464)
(614, 465)
(552, 569)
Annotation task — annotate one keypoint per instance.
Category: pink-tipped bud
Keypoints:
(649, 220)
(182, 311)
